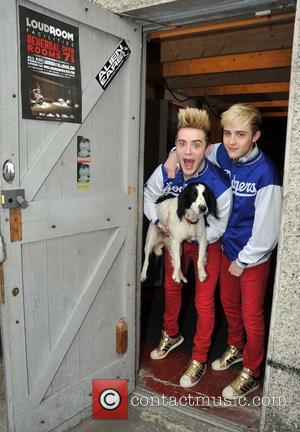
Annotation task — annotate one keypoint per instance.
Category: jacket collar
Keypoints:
(252, 153)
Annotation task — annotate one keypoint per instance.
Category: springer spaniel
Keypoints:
(184, 217)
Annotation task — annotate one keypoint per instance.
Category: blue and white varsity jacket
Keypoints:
(253, 227)
(159, 184)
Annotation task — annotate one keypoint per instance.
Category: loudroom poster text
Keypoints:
(50, 68)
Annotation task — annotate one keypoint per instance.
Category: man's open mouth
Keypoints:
(188, 163)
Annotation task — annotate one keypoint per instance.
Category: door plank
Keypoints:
(9, 80)
(50, 219)
(76, 318)
(55, 284)
(35, 307)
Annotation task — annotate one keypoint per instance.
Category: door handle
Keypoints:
(22, 201)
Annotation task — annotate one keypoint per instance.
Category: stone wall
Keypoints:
(283, 361)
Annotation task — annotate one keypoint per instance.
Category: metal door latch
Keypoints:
(8, 171)
(13, 198)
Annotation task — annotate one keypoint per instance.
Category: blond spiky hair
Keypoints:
(193, 118)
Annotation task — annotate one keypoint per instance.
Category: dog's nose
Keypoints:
(202, 208)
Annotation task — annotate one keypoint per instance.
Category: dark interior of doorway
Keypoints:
(162, 377)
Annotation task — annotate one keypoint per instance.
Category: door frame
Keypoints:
(206, 417)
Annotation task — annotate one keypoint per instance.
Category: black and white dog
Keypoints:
(184, 217)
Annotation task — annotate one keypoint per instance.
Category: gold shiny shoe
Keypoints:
(166, 344)
(193, 373)
(244, 384)
(231, 356)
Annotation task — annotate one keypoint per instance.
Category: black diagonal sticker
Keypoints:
(113, 64)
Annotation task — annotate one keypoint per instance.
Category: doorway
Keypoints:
(212, 67)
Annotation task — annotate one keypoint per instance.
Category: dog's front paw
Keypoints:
(203, 276)
(183, 278)
(178, 277)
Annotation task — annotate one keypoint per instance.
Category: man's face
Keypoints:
(238, 140)
(190, 150)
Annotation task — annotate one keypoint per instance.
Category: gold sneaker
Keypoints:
(193, 373)
(244, 384)
(166, 344)
(231, 356)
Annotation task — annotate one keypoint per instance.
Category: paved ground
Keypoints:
(157, 419)
(150, 420)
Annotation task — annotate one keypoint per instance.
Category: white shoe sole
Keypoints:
(227, 367)
(192, 384)
(243, 395)
(168, 352)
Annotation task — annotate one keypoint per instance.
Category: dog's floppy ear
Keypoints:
(211, 201)
(186, 199)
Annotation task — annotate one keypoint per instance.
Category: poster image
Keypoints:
(50, 68)
(83, 162)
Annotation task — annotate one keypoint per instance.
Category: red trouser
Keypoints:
(204, 296)
(243, 302)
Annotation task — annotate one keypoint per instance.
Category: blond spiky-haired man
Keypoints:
(191, 144)
(247, 243)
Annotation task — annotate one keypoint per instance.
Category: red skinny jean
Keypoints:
(243, 302)
(204, 296)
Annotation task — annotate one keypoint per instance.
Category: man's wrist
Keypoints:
(241, 264)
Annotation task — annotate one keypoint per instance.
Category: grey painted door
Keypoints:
(75, 265)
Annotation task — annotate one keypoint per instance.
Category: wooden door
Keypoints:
(75, 266)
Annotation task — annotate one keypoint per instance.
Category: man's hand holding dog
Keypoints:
(164, 230)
